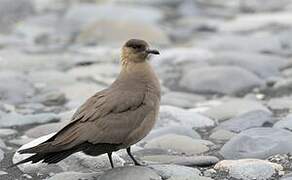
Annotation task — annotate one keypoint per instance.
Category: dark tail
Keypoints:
(49, 157)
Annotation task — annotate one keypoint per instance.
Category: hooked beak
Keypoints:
(152, 51)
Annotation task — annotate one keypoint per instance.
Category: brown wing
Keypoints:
(107, 117)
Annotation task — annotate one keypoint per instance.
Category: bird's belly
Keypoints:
(141, 131)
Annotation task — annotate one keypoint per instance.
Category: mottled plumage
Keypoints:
(112, 119)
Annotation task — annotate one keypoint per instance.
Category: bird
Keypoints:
(112, 119)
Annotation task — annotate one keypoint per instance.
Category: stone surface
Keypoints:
(285, 123)
(265, 66)
(216, 80)
(44, 129)
(7, 132)
(14, 11)
(247, 169)
(248, 120)
(74, 176)
(222, 134)
(126, 173)
(233, 107)
(178, 143)
(175, 171)
(10, 92)
(14, 119)
(258, 143)
(179, 130)
(182, 160)
(181, 99)
(170, 115)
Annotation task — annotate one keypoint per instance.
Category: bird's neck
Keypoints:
(141, 71)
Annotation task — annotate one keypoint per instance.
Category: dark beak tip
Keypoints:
(153, 51)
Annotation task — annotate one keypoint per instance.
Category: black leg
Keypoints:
(132, 157)
(110, 158)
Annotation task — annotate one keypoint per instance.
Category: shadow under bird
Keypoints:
(114, 118)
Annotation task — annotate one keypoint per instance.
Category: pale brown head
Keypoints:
(136, 50)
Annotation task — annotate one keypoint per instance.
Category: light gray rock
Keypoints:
(222, 135)
(257, 5)
(175, 171)
(83, 14)
(282, 103)
(15, 119)
(182, 160)
(265, 66)
(1, 155)
(258, 143)
(170, 115)
(287, 177)
(247, 169)
(18, 88)
(254, 21)
(113, 33)
(74, 176)
(7, 132)
(53, 98)
(44, 129)
(179, 130)
(233, 107)
(216, 80)
(282, 87)
(181, 99)
(285, 123)
(126, 173)
(246, 43)
(179, 143)
(257, 118)
(12, 11)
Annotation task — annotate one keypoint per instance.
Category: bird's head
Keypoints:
(136, 50)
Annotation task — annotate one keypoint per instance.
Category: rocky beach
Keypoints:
(225, 70)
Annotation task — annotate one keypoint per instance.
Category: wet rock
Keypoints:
(15, 119)
(246, 169)
(179, 143)
(170, 115)
(216, 80)
(258, 143)
(257, 118)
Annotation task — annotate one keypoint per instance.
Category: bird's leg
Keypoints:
(132, 157)
(110, 159)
